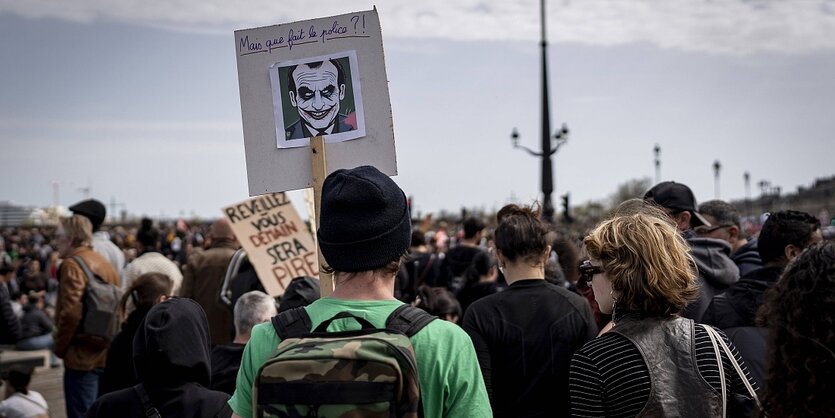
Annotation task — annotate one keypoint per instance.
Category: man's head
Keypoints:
(472, 228)
(251, 309)
(301, 291)
(418, 239)
(679, 202)
(91, 209)
(364, 223)
(315, 90)
(785, 234)
(724, 223)
(222, 229)
(147, 236)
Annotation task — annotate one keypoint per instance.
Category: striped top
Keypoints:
(608, 376)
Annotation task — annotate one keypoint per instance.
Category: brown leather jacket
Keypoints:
(202, 280)
(68, 312)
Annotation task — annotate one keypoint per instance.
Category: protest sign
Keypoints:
(276, 240)
(322, 77)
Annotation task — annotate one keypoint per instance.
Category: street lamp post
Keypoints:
(716, 167)
(560, 136)
(747, 178)
(657, 151)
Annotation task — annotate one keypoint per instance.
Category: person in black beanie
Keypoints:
(364, 234)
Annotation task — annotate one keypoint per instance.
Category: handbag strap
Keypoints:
(715, 336)
(710, 333)
(150, 410)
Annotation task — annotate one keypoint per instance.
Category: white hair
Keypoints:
(251, 309)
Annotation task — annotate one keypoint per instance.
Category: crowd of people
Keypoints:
(663, 308)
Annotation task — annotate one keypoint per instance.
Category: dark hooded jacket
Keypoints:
(455, 263)
(171, 356)
(118, 371)
(738, 306)
(747, 257)
(735, 312)
(716, 272)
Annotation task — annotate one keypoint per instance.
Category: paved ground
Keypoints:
(50, 384)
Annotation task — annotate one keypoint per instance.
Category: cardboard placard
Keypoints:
(276, 240)
(322, 77)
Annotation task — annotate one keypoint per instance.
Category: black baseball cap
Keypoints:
(678, 197)
(92, 209)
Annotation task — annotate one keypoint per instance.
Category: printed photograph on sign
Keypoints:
(317, 96)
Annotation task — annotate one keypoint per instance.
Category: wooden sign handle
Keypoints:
(320, 171)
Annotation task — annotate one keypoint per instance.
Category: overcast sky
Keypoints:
(138, 100)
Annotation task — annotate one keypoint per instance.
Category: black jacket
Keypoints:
(34, 322)
(737, 306)
(747, 257)
(455, 263)
(118, 372)
(475, 291)
(226, 360)
(419, 269)
(10, 327)
(524, 337)
(172, 359)
(735, 312)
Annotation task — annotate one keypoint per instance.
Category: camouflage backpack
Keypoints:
(369, 372)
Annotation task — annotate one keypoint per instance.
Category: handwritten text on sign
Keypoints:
(277, 242)
(305, 35)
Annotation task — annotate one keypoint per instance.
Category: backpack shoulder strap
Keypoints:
(291, 323)
(83, 265)
(409, 320)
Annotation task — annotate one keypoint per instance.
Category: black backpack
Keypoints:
(99, 323)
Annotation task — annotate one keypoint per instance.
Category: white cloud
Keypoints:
(723, 26)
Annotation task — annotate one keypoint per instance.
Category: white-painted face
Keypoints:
(317, 95)
(602, 288)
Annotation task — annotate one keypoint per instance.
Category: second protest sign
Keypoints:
(277, 242)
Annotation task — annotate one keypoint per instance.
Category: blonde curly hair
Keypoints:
(647, 261)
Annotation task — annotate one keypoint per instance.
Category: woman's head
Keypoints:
(482, 268)
(645, 260)
(521, 236)
(439, 301)
(74, 231)
(799, 311)
(148, 290)
(17, 379)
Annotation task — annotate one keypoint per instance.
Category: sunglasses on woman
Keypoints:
(588, 270)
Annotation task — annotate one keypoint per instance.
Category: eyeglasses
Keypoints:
(588, 270)
(704, 230)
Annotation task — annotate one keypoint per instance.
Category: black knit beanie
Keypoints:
(364, 220)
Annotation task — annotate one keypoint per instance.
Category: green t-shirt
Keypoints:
(451, 384)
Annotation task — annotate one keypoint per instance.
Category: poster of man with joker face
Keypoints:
(317, 96)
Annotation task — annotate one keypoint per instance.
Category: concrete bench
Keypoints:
(36, 359)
